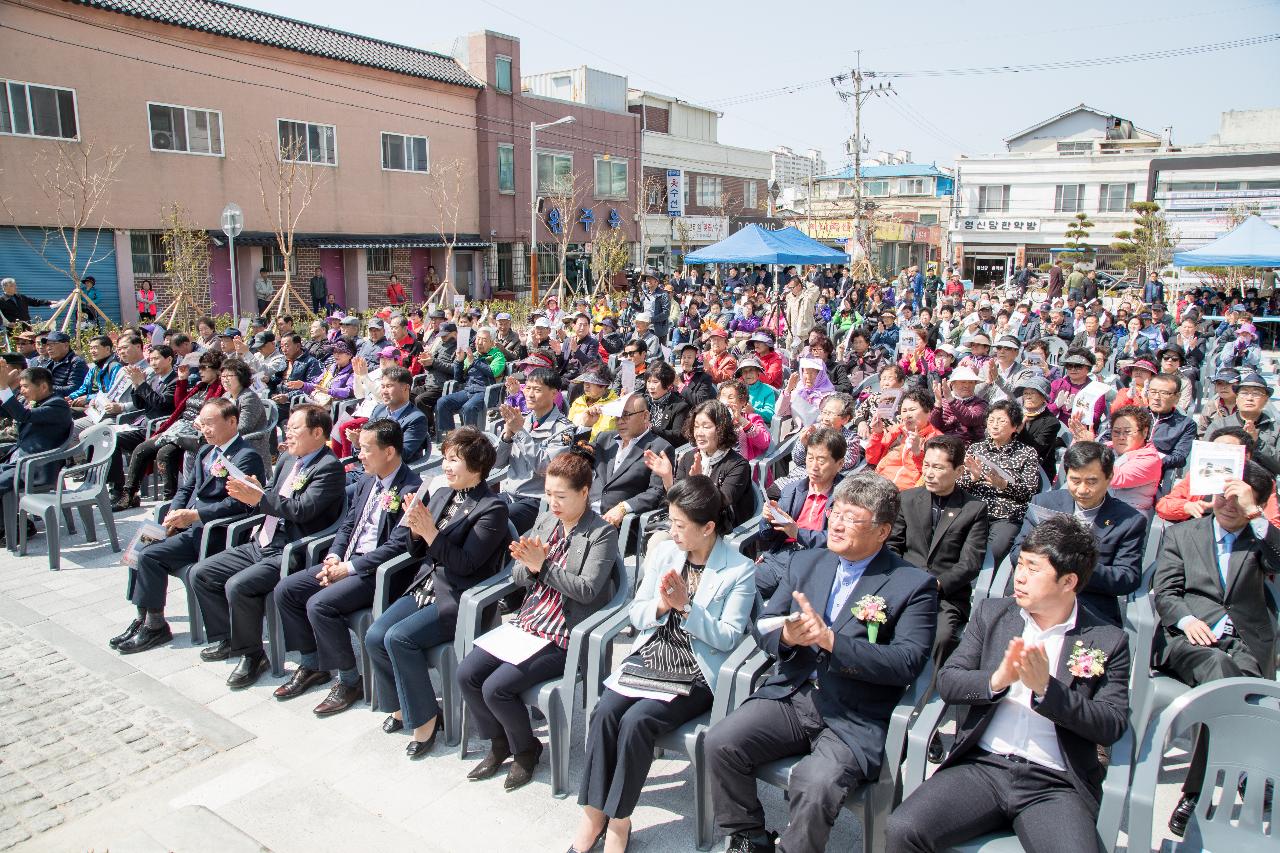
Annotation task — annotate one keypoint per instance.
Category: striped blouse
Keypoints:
(670, 649)
(543, 611)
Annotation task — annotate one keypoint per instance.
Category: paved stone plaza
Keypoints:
(152, 753)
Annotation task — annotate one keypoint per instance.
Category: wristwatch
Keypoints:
(1257, 513)
(687, 609)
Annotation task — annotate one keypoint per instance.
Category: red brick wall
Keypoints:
(652, 118)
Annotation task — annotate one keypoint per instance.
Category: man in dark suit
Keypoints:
(303, 497)
(299, 367)
(202, 497)
(797, 521)
(622, 483)
(943, 529)
(393, 389)
(1211, 599)
(1046, 683)
(16, 307)
(45, 426)
(315, 602)
(836, 683)
(1121, 529)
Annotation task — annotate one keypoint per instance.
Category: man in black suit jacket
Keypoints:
(622, 483)
(1211, 598)
(315, 602)
(201, 498)
(1046, 683)
(1121, 529)
(303, 498)
(943, 529)
(45, 426)
(837, 682)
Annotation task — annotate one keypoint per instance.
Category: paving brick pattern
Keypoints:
(70, 741)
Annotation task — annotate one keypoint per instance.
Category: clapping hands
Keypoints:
(809, 630)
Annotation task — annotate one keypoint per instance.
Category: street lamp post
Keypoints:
(534, 127)
(232, 225)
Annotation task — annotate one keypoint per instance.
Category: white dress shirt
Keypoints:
(1016, 728)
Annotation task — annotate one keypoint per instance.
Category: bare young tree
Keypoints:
(609, 255)
(449, 185)
(186, 262)
(726, 204)
(562, 211)
(74, 186)
(650, 192)
(287, 183)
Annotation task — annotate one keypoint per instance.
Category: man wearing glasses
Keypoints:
(1252, 395)
(1171, 431)
(637, 352)
(622, 483)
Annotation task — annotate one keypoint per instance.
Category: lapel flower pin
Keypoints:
(300, 484)
(1086, 663)
(391, 501)
(218, 469)
(871, 610)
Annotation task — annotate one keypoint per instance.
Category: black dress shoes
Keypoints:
(391, 725)
(499, 752)
(115, 641)
(522, 767)
(340, 698)
(303, 680)
(220, 650)
(936, 751)
(248, 671)
(743, 843)
(145, 638)
(127, 502)
(419, 748)
(1182, 814)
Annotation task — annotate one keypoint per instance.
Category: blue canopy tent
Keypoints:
(756, 245)
(1252, 243)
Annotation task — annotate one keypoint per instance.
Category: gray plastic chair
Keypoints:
(22, 486)
(1242, 716)
(687, 739)
(99, 444)
(1115, 786)
(552, 698)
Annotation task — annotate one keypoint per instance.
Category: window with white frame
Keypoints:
(28, 109)
(876, 189)
(611, 177)
(993, 198)
(185, 129)
(377, 261)
(273, 259)
(147, 251)
(506, 168)
(402, 153)
(1068, 198)
(1075, 149)
(913, 186)
(1115, 198)
(846, 189)
(502, 74)
(709, 190)
(555, 172)
(928, 219)
(303, 142)
(750, 194)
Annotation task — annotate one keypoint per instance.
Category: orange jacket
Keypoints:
(888, 452)
(1173, 506)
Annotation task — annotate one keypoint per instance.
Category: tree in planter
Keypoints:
(609, 256)
(1077, 232)
(562, 214)
(287, 183)
(75, 181)
(1149, 244)
(186, 262)
(451, 182)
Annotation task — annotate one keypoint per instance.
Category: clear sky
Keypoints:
(729, 55)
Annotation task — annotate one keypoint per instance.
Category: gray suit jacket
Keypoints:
(586, 580)
(1187, 583)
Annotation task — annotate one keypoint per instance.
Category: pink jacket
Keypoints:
(753, 440)
(1137, 477)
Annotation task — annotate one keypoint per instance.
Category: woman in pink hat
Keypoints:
(1244, 354)
(1139, 373)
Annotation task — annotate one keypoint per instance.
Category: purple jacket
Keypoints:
(340, 387)
(965, 418)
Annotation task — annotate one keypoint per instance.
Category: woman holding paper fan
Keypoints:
(566, 563)
(461, 534)
(1004, 474)
(690, 612)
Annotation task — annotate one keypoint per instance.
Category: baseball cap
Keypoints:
(261, 339)
(58, 338)
(542, 323)
(448, 327)
(503, 315)
(436, 314)
(1228, 375)
(1252, 380)
(229, 332)
(351, 321)
(389, 352)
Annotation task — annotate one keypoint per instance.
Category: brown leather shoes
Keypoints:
(340, 698)
(303, 680)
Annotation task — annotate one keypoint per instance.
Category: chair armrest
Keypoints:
(918, 737)
(746, 675)
(600, 645)
(1115, 788)
(207, 529)
(727, 680)
(22, 472)
(161, 511)
(387, 572)
(293, 549)
(473, 604)
(317, 544)
(239, 529)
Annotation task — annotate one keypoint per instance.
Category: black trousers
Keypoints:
(232, 588)
(522, 512)
(127, 441)
(620, 739)
(765, 730)
(1000, 538)
(1194, 665)
(149, 580)
(988, 793)
(314, 617)
(951, 622)
(167, 458)
(491, 687)
(425, 401)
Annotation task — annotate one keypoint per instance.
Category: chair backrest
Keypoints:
(1242, 719)
(98, 443)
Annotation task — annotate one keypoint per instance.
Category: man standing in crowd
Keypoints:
(16, 307)
(319, 287)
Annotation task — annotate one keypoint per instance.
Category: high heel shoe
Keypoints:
(596, 843)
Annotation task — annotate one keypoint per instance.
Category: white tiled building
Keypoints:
(794, 170)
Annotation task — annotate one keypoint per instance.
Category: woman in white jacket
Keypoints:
(690, 612)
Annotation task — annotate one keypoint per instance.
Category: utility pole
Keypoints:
(859, 96)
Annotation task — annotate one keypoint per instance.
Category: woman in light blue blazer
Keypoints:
(691, 611)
